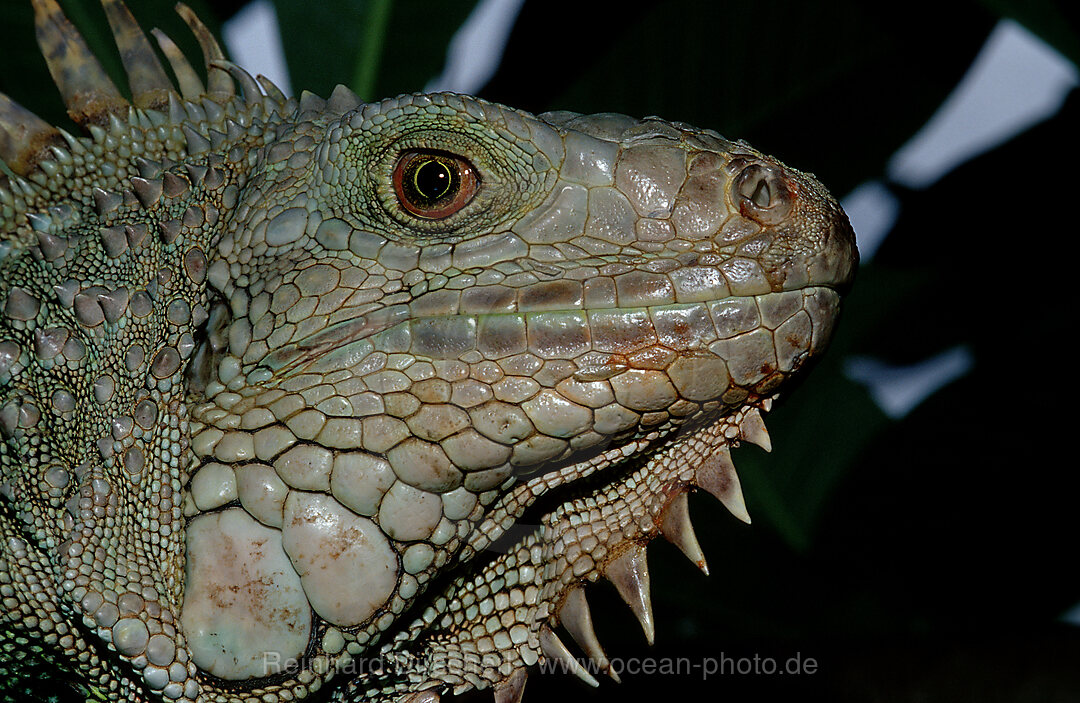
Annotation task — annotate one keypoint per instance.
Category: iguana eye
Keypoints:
(433, 185)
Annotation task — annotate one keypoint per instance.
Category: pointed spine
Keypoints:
(195, 112)
(717, 476)
(554, 649)
(75, 146)
(272, 91)
(50, 341)
(629, 572)
(512, 688)
(117, 127)
(218, 80)
(173, 185)
(39, 222)
(146, 77)
(175, 110)
(169, 230)
(248, 85)
(343, 100)
(88, 309)
(575, 616)
(85, 87)
(135, 234)
(147, 191)
(752, 429)
(52, 247)
(114, 304)
(196, 143)
(677, 528)
(187, 79)
(196, 172)
(215, 113)
(148, 168)
(114, 241)
(310, 102)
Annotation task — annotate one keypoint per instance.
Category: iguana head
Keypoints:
(333, 352)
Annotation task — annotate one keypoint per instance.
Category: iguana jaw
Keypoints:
(576, 538)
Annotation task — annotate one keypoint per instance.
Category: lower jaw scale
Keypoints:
(582, 541)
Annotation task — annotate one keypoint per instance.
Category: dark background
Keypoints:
(924, 559)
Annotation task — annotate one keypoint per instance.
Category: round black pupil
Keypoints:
(432, 179)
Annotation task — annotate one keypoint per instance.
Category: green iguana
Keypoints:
(278, 375)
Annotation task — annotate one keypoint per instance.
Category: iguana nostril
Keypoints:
(762, 193)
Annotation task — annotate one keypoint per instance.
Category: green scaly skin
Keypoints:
(278, 375)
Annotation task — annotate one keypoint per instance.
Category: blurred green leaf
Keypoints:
(380, 48)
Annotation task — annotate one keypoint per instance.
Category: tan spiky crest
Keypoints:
(95, 103)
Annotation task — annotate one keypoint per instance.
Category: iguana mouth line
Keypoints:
(333, 337)
(684, 327)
